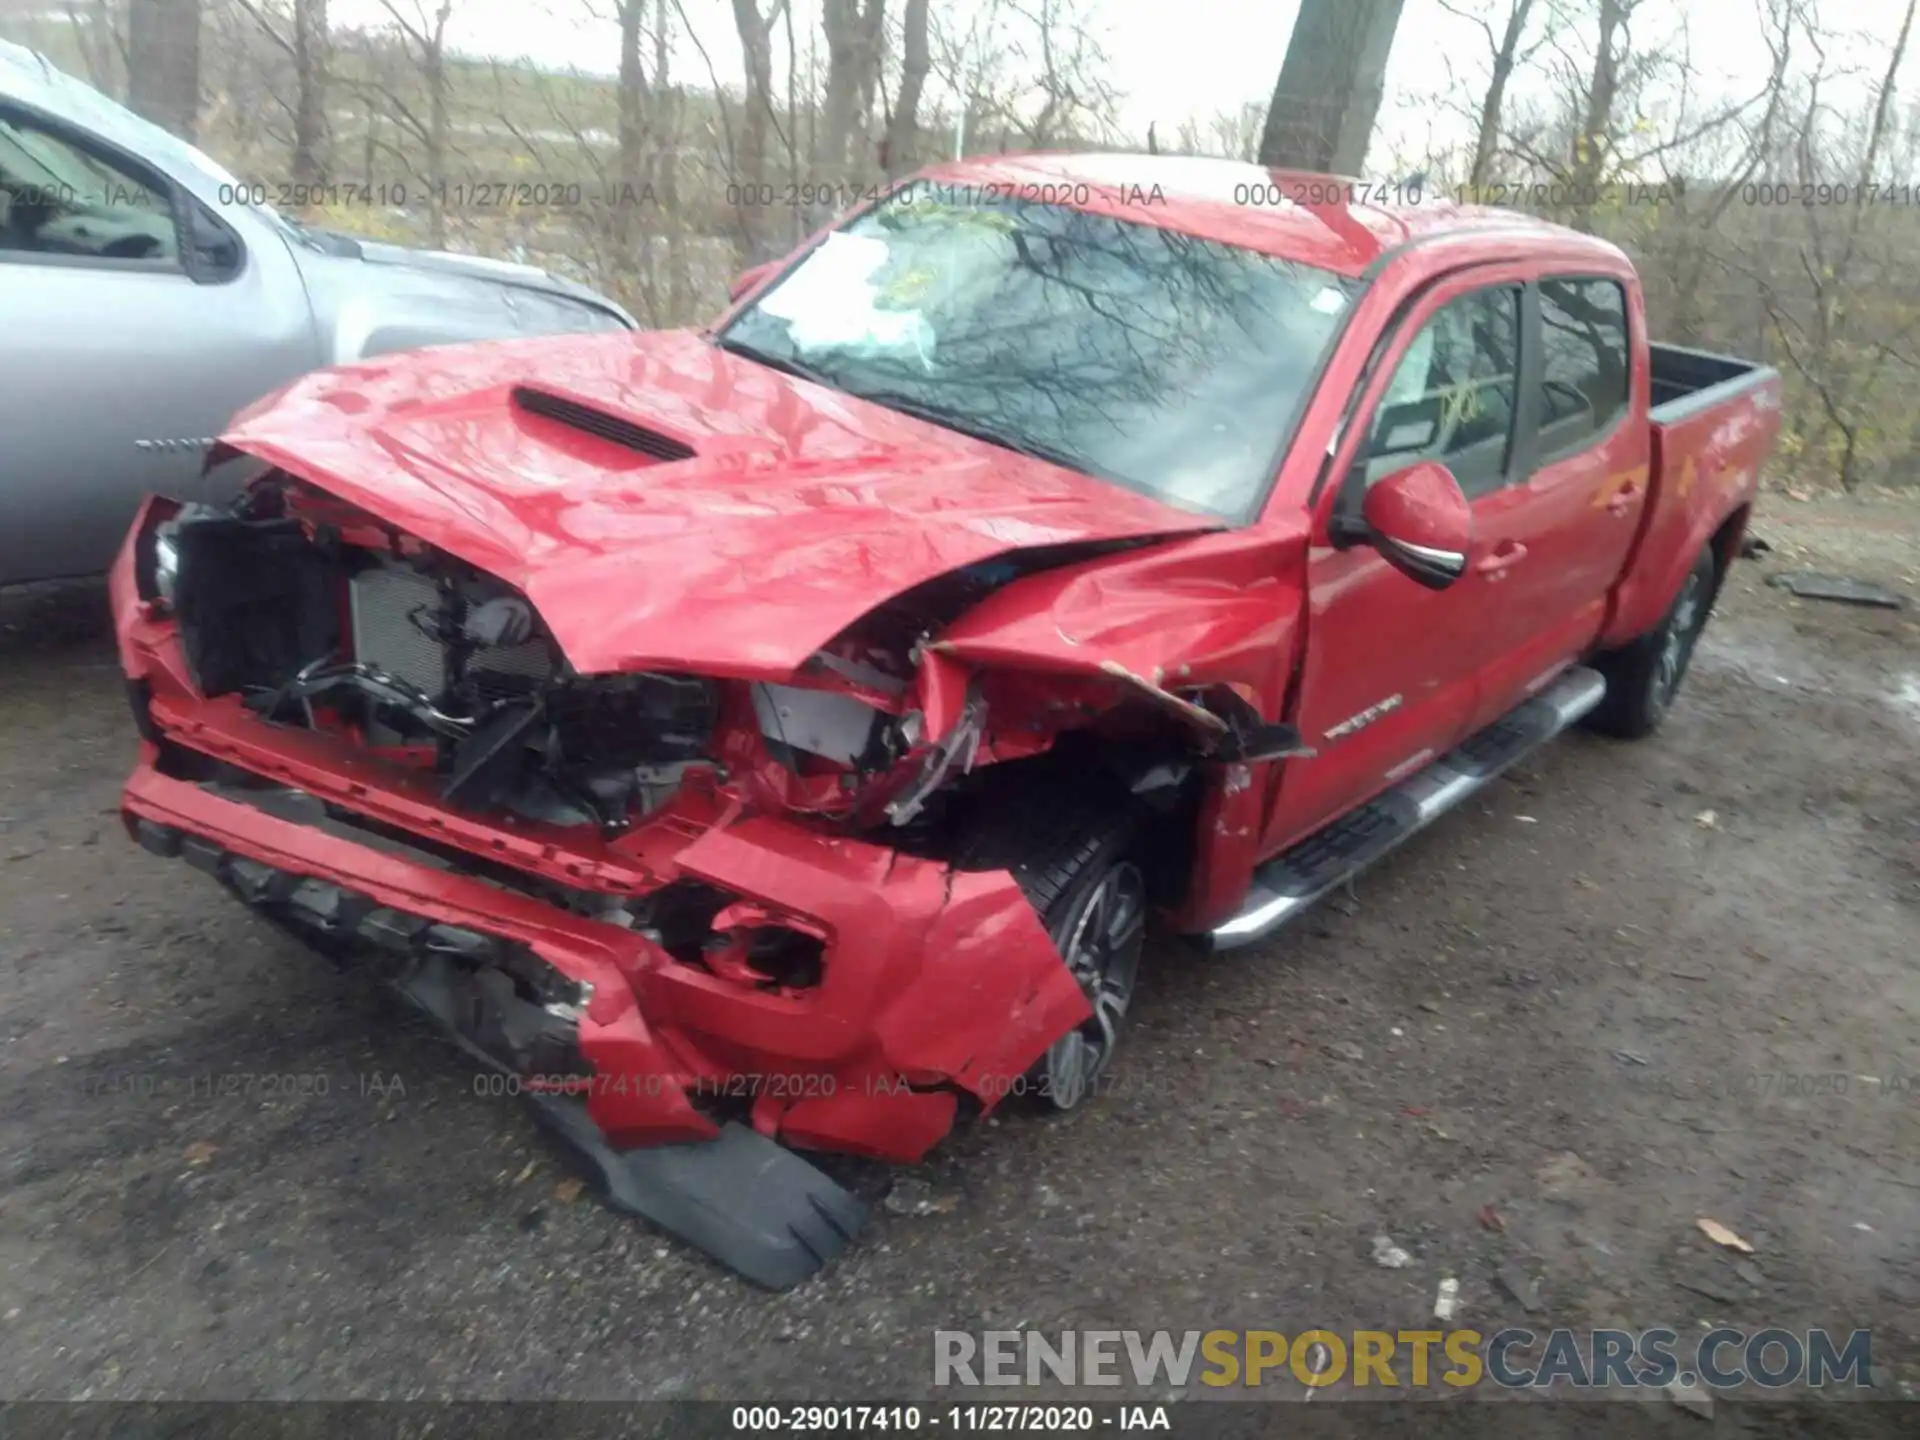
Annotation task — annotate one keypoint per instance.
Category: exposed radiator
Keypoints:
(385, 601)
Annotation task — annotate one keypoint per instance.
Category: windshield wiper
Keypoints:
(937, 414)
(773, 361)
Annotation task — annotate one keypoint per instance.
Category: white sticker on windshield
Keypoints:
(829, 301)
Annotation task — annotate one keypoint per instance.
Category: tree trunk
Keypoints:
(853, 35)
(434, 74)
(756, 49)
(903, 126)
(163, 63)
(1591, 145)
(666, 130)
(1330, 86)
(312, 45)
(630, 161)
(1486, 143)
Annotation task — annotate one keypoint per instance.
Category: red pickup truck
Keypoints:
(780, 736)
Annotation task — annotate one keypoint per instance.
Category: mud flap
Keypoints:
(753, 1205)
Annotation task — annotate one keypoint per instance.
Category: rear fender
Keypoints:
(1708, 469)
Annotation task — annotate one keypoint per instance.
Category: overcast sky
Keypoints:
(1175, 59)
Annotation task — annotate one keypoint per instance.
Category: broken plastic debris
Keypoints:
(915, 1197)
(1694, 1399)
(1521, 1286)
(1843, 588)
(1707, 820)
(1721, 1235)
(1388, 1255)
(1448, 1300)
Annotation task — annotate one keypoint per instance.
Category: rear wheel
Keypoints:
(1644, 677)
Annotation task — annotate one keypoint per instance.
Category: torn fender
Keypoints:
(1168, 623)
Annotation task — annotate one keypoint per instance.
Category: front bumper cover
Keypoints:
(744, 1199)
(731, 1190)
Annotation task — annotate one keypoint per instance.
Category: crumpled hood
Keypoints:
(802, 509)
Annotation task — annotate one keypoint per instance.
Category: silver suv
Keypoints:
(144, 300)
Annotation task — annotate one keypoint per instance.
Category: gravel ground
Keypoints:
(1589, 1001)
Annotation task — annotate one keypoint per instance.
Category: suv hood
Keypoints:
(800, 510)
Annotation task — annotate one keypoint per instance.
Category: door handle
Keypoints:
(1505, 556)
(1624, 499)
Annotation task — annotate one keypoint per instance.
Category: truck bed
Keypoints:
(1686, 380)
(1713, 420)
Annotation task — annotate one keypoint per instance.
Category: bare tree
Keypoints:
(749, 175)
(303, 37)
(1506, 51)
(163, 63)
(855, 30)
(1840, 344)
(312, 57)
(422, 25)
(900, 152)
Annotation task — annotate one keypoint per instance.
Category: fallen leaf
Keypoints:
(1491, 1219)
(526, 1174)
(568, 1191)
(200, 1152)
(1721, 1235)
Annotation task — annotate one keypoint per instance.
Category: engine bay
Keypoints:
(422, 660)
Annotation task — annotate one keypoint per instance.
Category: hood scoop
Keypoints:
(614, 429)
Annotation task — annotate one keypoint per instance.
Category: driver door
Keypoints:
(1392, 670)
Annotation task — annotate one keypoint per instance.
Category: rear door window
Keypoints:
(1584, 369)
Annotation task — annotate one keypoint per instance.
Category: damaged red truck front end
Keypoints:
(664, 725)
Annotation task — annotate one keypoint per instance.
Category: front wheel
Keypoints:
(1074, 856)
(1100, 929)
(1644, 677)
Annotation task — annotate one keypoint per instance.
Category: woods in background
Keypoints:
(1783, 223)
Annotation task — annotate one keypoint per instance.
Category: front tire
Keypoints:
(1643, 677)
(1075, 862)
(1100, 930)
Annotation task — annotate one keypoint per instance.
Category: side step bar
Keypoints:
(1328, 858)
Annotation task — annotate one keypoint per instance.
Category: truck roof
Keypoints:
(1332, 221)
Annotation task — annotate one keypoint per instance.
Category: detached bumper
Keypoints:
(949, 984)
(749, 1202)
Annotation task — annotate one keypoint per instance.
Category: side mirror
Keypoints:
(1420, 522)
(747, 279)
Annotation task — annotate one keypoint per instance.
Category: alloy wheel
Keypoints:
(1101, 943)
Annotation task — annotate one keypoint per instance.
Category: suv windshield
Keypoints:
(1169, 364)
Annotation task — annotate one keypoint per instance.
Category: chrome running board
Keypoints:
(1293, 880)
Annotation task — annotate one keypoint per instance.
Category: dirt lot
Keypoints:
(1583, 1002)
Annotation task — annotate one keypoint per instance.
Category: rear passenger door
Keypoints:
(1550, 542)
